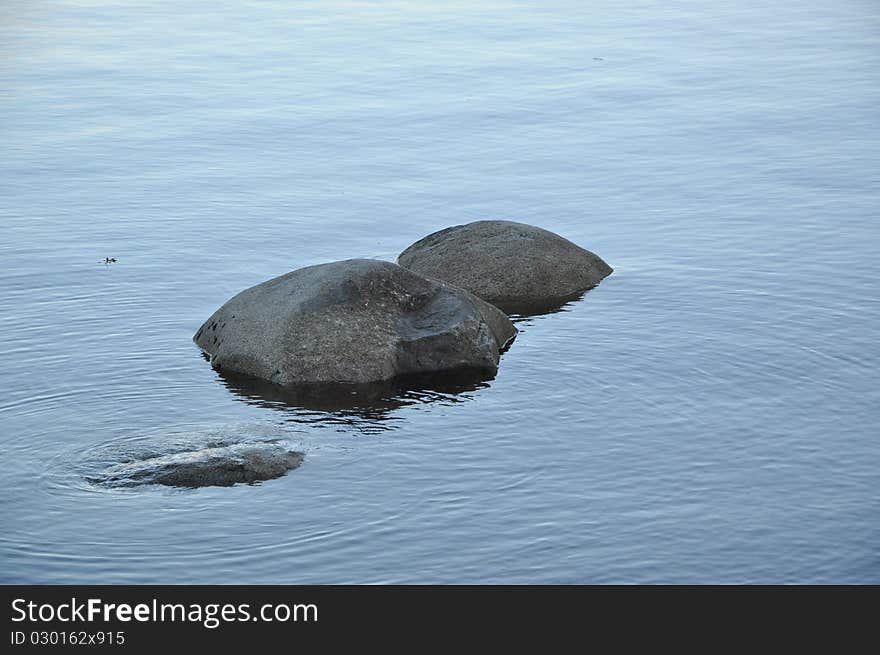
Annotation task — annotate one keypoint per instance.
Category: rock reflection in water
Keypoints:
(366, 407)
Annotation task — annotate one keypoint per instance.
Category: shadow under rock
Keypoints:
(373, 403)
(518, 312)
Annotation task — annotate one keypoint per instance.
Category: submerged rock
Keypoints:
(516, 267)
(353, 322)
(222, 465)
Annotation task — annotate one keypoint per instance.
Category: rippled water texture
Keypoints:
(706, 414)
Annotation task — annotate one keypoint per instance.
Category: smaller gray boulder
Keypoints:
(516, 267)
(220, 466)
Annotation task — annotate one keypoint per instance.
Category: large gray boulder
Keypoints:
(516, 267)
(220, 465)
(353, 322)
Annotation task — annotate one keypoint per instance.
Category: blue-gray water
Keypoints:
(707, 414)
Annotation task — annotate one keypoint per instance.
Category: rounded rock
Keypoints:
(221, 466)
(518, 268)
(353, 322)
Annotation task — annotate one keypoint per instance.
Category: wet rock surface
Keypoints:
(518, 268)
(213, 465)
(353, 322)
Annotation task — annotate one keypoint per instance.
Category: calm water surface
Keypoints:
(707, 414)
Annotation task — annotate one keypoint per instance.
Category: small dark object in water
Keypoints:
(109, 260)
